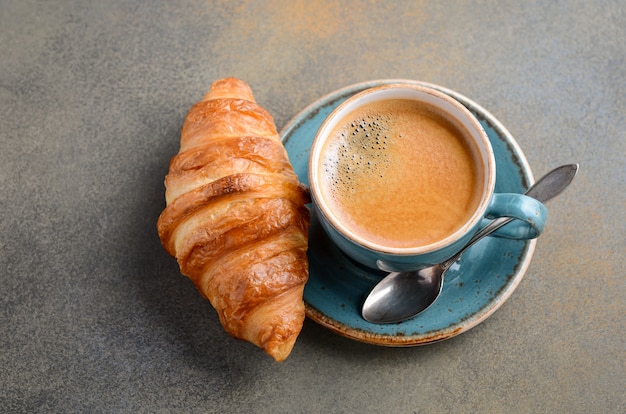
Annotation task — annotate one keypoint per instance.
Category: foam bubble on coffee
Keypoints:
(360, 150)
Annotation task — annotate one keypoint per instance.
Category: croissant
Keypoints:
(235, 218)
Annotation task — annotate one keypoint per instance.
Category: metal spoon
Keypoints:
(402, 295)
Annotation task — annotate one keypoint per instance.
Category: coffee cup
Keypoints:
(401, 177)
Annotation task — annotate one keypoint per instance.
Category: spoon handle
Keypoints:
(484, 232)
(553, 183)
(546, 188)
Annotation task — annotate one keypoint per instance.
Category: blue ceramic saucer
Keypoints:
(474, 287)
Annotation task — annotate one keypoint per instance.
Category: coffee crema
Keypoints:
(400, 174)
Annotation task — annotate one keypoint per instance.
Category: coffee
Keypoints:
(399, 173)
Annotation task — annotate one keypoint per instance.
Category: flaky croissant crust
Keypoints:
(236, 219)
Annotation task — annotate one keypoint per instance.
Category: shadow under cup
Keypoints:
(357, 123)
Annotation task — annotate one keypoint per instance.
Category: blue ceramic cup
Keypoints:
(529, 213)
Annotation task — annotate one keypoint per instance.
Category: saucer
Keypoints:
(474, 287)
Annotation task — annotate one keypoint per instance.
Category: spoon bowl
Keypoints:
(402, 295)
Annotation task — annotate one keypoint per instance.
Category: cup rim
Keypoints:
(428, 95)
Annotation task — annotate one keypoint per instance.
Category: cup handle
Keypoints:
(530, 215)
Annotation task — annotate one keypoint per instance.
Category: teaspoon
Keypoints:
(402, 295)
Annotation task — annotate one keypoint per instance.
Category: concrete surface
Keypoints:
(94, 315)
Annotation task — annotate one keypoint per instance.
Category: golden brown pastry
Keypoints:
(236, 219)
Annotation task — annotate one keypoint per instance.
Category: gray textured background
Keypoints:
(94, 316)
